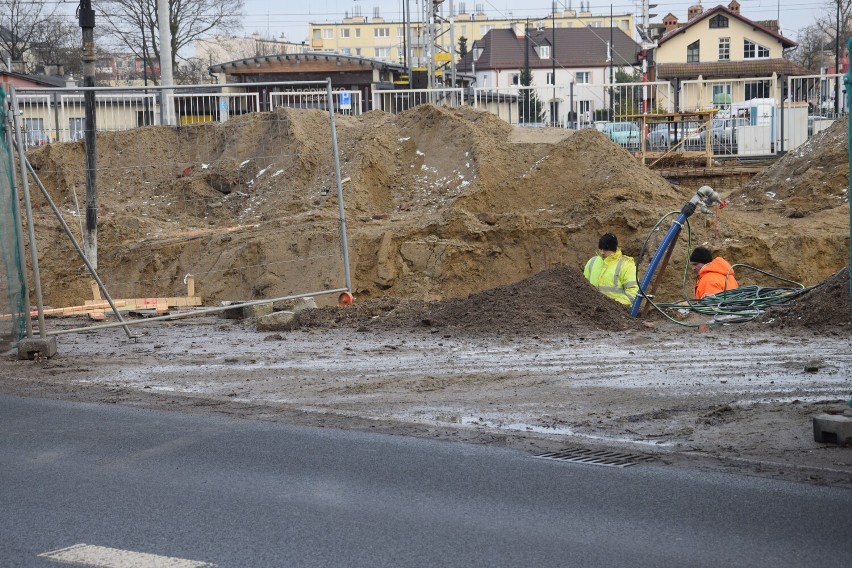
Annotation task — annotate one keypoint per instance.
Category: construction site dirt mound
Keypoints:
(440, 203)
(825, 307)
(554, 301)
(810, 178)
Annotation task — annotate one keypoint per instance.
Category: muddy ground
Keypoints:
(508, 367)
(471, 320)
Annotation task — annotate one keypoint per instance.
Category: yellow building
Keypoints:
(386, 40)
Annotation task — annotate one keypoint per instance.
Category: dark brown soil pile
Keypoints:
(826, 305)
(554, 301)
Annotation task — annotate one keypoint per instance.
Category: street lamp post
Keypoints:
(837, 63)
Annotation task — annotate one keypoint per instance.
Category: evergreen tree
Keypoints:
(532, 109)
(462, 47)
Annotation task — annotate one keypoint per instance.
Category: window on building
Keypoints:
(328, 33)
(400, 31)
(585, 108)
(516, 78)
(569, 24)
(346, 51)
(383, 52)
(358, 51)
(317, 33)
(718, 21)
(757, 90)
(753, 50)
(381, 32)
(464, 30)
(581, 77)
(724, 49)
(550, 79)
(544, 52)
(357, 32)
(485, 29)
(692, 52)
(344, 32)
(35, 134)
(77, 125)
(722, 94)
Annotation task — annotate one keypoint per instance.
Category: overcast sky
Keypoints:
(271, 18)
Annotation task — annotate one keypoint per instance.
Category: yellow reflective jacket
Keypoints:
(613, 276)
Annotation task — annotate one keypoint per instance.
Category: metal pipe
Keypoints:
(200, 312)
(344, 246)
(92, 269)
(30, 225)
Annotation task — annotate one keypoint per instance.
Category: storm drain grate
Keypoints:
(595, 457)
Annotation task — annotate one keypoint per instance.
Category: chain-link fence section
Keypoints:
(13, 292)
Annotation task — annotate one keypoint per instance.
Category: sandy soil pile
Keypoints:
(441, 203)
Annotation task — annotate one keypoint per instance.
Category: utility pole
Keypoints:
(87, 24)
(837, 64)
(166, 78)
(648, 45)
(553, 62)
(610, 55)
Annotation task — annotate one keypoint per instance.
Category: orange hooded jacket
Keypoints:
(712, 278)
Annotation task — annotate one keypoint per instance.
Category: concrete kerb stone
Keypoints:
(33, 347)
(284, 318)
(833, 428)
(245, 312)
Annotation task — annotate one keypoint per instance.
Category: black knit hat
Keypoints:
(608, 242)
(700, 254)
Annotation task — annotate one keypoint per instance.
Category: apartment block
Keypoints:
(384, 39)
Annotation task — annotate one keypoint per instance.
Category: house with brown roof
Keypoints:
(568, 67)
(555, 57)
(739, 57)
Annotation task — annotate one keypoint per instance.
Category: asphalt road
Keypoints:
(201, 490)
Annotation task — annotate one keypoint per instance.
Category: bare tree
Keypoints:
(59, 47)
(23, 26)
(133, 23)
(835, 24)
(815, 49)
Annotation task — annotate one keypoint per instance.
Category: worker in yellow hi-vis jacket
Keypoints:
(611, 272)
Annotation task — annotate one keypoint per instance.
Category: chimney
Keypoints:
(518, 28)
(734, 7)
(670, 22)
(694, 10)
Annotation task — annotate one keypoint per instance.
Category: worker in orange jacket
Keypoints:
(714, 274)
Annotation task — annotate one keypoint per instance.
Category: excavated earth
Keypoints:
(471, 319)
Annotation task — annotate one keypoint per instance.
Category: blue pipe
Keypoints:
(668, 241)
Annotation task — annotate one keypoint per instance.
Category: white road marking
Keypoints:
(104, 557)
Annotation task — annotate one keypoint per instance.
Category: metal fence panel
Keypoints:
(400, 100)
(345, 102)
(228, 204)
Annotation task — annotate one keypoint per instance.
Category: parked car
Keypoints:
(624, 134)
(724, 133)
(668, 134)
